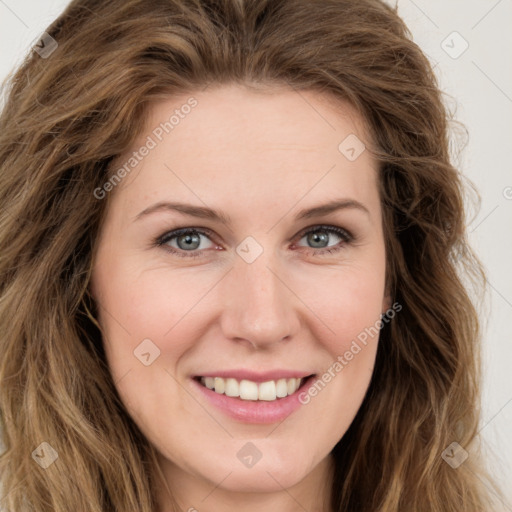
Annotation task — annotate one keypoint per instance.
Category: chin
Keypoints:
(262, 480)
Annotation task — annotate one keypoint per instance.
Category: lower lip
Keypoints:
(256, 411)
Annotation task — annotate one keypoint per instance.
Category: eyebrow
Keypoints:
(203, 212)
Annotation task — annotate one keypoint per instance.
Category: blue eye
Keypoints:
(317, 236)
(188, 240)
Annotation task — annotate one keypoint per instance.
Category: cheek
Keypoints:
(142, 302)
(141, 314)
(137, 305)
(349, 307)
(348, 302)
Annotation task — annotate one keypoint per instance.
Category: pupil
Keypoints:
(316, 238)
(188, 240)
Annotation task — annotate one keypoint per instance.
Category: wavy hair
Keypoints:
(65, 120)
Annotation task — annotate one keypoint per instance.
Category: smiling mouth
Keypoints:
(269, 391)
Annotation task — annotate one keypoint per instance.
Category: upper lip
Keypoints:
(255, 376)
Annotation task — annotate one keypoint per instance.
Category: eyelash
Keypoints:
(161, 241)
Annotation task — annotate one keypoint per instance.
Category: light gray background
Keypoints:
(479, 80)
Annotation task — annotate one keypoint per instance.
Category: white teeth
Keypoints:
(281, 388)
(231, 388)
(267, 391)
(249, 390)
(220, 385)
(209, 382)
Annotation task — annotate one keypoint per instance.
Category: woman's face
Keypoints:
(258, 293)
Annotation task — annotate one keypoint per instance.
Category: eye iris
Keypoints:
(318, 238)
(189, 239)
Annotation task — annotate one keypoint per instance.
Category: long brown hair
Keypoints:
(69, 114)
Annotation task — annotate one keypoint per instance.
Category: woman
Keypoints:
(175, 333)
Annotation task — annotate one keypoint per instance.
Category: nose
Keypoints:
(260, 307)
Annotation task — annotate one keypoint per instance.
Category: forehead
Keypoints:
(231, 142)
(236, 116)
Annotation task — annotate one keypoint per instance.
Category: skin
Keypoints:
(260, 157)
